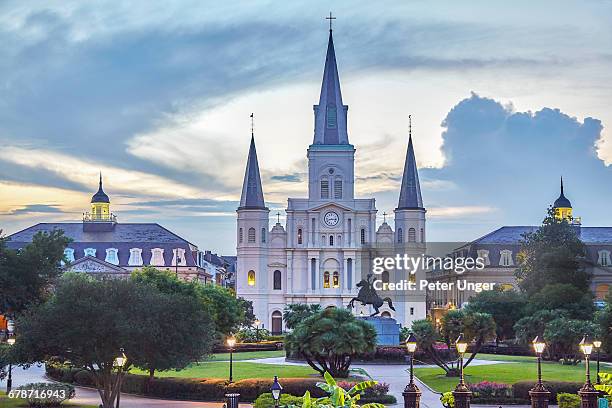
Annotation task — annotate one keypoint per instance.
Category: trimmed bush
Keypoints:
(198, 389)
(521, 389)
(566, 400)
(489, 389)
(47, 395)
(266, 401)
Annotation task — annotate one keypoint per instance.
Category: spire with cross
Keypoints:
(385, 217)
(331, 19)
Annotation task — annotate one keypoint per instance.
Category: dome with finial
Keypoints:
(100, 196)
(562, 201)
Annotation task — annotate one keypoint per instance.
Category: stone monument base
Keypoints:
(387, 330)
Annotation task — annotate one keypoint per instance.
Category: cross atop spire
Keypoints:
(330, 113)
(330, 18)
(252, 125)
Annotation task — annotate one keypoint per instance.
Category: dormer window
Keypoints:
(157, 257)
(90, 252)
(135, 257)
(604, 258)
(505, 258)
(112, 256)
(332, 117)
(69, 254)
(484, 255)
(178, 257)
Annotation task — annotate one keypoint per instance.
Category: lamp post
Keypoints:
(462, 394)
(539, 394)
(119, 363)
(231, 342)
(257, 323)
(9, 380)
(597, 345)
(412, 394)
(588, 393)
(276, 391)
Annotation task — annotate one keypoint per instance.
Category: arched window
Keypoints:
(251, 278)
(385, 314)
(324, 188)
(277, 280)
(505, 258)
(338, 188)
(339, 240)
(411, 235)
(240, 238)
(349, 272)
(112, 256)
(313, 272)
(251, 235)
(331, 240)
(326, 279)
(385, 277)
(69, 254)
(363, 237)
(90, 252)
(400, 235)
(336, 280)
(277, 323)
(299, 236)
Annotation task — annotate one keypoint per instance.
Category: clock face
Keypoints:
(331, 218)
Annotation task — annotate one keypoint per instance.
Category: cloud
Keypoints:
(36, 209)
(455, 212)
(290, 178)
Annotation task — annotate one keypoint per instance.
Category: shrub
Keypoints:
(488, 389)
(266, 401)
(376, 393)
(567, 400)
(251, 335)
(448, 400)
(521, 389)
(47, 394)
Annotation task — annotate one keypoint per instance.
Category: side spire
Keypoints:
(330, 113)
(252, 192)
(410, 193)
(100, 196)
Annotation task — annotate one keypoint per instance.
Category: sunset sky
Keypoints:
(505, 97)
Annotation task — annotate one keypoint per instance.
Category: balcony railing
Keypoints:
(88, 217)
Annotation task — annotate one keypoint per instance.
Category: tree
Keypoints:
(505, 306)
(26, 274)
(86, 322)
(330, 339)
(529, 327)
(480, 327)
(427, 336)
(577, 303)
(451, 326)
(603, 319)
(227, 312)
(563, 335)
(551, 254)
(296, 313)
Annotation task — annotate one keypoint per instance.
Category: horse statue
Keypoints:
(367, 296)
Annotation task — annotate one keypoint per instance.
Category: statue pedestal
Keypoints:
(387, 330)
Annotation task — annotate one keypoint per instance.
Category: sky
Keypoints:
(505, 98)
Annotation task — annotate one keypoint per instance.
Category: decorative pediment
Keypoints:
(330, 206)
(89, 264)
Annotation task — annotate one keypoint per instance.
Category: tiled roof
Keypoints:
(513, 234)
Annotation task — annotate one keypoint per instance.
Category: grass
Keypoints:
(6, 402)
(247, 355)
(241, 371)
(508, 373)
(498, 357)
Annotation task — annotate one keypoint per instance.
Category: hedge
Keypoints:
(244, 347)
(199, 389)
(521, 389)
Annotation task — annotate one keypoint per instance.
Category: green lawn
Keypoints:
(249, 355)
(242, 370)
(497, 357)
(18, 403)
(504, 373)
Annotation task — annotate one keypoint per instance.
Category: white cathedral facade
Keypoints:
(319, 255)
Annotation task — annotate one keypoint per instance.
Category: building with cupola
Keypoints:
(102, 246)
(499, 250)
(321, 252)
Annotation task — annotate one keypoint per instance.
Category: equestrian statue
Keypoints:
(367, 296)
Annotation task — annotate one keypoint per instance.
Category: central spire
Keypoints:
(330, 113)
(252, 192)
(410, 193)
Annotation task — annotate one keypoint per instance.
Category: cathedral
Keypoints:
(321, 253)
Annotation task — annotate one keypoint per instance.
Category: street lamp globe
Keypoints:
(231, 341)
(461, 344)
(538, 345)
(10, 340)
(586, 346)
(411, 343)
(120, 360)
(276, 389)
(597, 344)
(257, 322)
